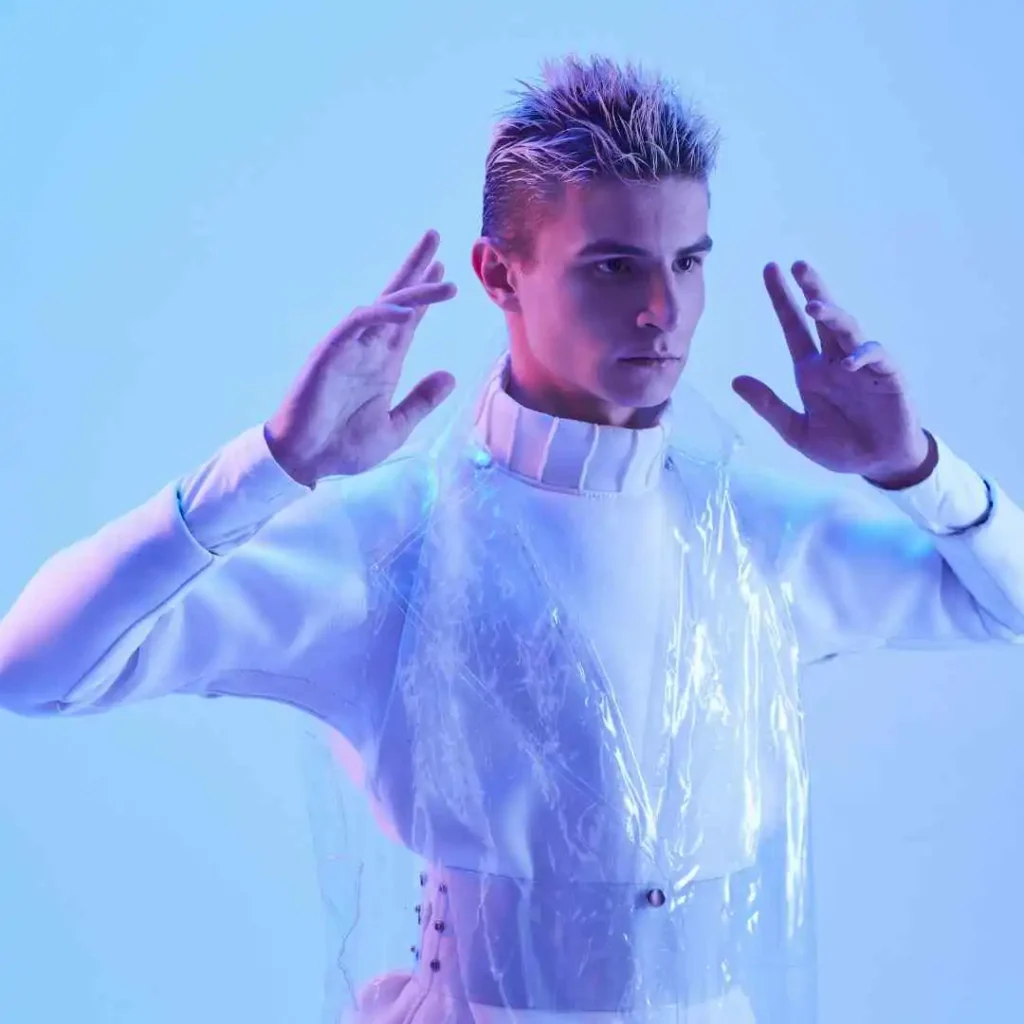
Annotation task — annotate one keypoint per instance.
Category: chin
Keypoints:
(643, 386)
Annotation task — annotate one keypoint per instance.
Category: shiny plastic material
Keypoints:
(536, 849)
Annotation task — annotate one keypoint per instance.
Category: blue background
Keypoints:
(192, 194)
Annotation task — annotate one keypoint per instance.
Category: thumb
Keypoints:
(787, 422)
(420, 403)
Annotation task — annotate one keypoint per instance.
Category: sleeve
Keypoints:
(949, 571)
(235, 580)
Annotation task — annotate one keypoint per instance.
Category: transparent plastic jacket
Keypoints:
(668, 872)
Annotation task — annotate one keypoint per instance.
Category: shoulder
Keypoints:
(749, 489)
(375, 510)
(789, 519)
(771, 510)
(756, 493)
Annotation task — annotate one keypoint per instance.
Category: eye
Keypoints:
(614, 266)
(688, 263)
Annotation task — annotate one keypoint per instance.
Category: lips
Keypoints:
(649, 359)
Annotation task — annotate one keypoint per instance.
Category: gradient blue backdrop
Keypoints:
(192, 193)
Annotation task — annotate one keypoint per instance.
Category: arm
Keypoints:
(954, 572)
(212, 577)
(950, 570)
(228, 583)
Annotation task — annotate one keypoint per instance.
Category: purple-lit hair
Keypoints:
(586, 120)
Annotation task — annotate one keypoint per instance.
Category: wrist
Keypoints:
(298, 473)
(901, 478)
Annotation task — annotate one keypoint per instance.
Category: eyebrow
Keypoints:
(610, 247)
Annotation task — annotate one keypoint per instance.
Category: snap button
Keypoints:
(656, 897)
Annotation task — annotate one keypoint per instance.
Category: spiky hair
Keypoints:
(587, 120)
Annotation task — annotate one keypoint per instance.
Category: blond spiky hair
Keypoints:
(587, 120)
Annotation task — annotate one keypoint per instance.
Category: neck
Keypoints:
(534, 388)
(570, 455)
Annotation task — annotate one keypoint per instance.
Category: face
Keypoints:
(602, 317)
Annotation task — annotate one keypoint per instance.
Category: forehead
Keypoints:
(658, 216)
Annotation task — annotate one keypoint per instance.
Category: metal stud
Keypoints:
(439, 926)
(656, 897)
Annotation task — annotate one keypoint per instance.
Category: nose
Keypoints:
(661, 309)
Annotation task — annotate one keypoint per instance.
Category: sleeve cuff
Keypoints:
(235, 493)
(954, 499)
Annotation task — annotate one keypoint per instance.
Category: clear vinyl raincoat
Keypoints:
(530, 852)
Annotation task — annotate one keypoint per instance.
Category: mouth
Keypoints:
(651, 360)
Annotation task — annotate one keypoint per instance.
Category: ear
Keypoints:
(496, 273)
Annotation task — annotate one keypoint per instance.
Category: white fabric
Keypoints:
(240, 581)
(145, 607)
(150, 605)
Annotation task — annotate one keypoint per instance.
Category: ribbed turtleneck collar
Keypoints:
(568, 455)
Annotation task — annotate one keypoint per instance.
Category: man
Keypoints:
(564, 651)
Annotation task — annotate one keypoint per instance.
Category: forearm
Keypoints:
(84, 610)
(978, 531)
(949, 571)
(81, 621)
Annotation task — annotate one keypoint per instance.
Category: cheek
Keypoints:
(545, 305)
(602, 318)
(691, 303)
(608, 307)
(566, 314)
(697, 298)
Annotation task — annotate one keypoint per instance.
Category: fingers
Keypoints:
(794, 327)
(415, 263)
(838, 331)
(811, 283)
(421, 297)
(371, 319)
(402, 307)
(404, 335)
(426, 294)
(420, 403)
(403, 310)
(434, 275)
(787, 423)
(870, 354)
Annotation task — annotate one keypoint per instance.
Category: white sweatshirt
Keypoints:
(239, 581)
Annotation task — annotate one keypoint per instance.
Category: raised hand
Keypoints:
(856, 416)
(338, 417)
